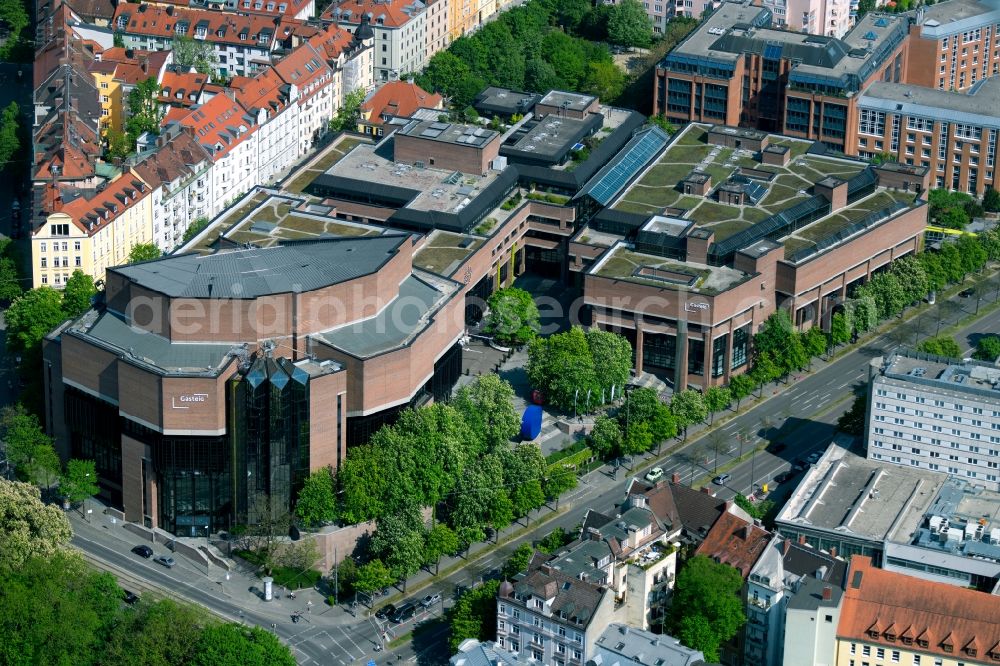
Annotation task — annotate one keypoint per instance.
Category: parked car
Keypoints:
(654, 474)
(143, 551)
(430, 600)
(129, 597)
(722, 479)
(784, 476)
(813, 457)
(404, 612)
(966, 293)
(385, 612)
(165, 560)
(799, 465)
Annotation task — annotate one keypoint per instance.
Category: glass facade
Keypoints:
(696, 357)
(741, 345)
(94, 433)
(659, 350)
(269, 435)
(719, 355)
(193, 480)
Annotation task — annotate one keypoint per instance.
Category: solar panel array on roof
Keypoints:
(431, 133)
(440, 126)
(610, 180)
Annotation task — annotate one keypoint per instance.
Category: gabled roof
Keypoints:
(180, 88)
(677, 505)
(96, 210)
(935, 615)
(332, 42)
(735, 542)
(383, 13)
(176, 159)
(303, 67)
(265, 91)
(219, 27)
(572, 600)
(398, 99)
(219, 124)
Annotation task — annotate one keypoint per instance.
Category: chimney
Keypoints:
(546, 569)
(827, 593)
(746, 532)
(833, 552)
(802, 539)
(593, 534)
(144, 64)
(706, 490)
(786, 546)
(675, 478)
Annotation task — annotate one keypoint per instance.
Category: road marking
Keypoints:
(360, 649)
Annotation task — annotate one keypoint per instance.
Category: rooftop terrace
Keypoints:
(783, 187)
(623, 263)
(443, 251)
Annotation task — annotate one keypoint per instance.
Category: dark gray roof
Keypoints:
(110, 329)
(407, 314)
(817, 51)
(250, 273)
(809, 596)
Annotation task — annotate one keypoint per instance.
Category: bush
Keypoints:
(294, 579)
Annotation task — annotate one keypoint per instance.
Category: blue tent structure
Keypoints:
(531, 422)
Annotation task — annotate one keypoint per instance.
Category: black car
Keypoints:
(129, 597)
(966, 293)
(143, 551)
(784, 476)
(404, 612)
(385, 612)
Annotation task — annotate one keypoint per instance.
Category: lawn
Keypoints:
(797, 147)
(251, 203)
(688, 154)
(793, 245)
(301, 223)
(755, 214)
(693, 137)
(666, 175)
(724, 230)
(633, 207)
(302, 181)
(719, 173)
(714, 212)
(654, 196)
(442, 260)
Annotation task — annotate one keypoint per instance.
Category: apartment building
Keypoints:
(933, 413)
(832, 18)
(736, 68)
(242, 43)
(812, 616)
(400, 31)
(396, 99)
(182, 88)
(627, 645)
(782, 570)
(116, 72)
(952, 134)
(953, 44)
(552, 617)
(229, 134)
(889, 618)
(350, 56)
(179, 173)
(313, 88)
(438, 36)
(92, 232)
(269, 100)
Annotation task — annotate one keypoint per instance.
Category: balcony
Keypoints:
(759, 603)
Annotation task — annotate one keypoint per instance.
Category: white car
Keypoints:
(430, 600)
(654, 474)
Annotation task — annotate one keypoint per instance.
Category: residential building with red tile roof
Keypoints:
(400, 32)
(229, 134)
(350, 56)
(895, 618)
(298, 9)
(396, 99)
(269, 99)
(437, 36)
(92, 231)
(117, 71)
(312, 88)
(242, 44)
(736, 542)
(186, 88)
(179, 174)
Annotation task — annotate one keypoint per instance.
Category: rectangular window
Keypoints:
(872, 122)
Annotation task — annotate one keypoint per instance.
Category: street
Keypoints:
(801, 416)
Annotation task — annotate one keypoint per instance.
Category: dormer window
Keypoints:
(243, 36)
(922, 642)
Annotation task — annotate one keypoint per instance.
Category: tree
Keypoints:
(661, 121)
(611, 355)
(144, 252)
(638, 439)
(689, 408)
(554, 540)
(517, 562)
(145, 111)
(764, 370)
(449, 75)
(988, 348)
(373, 576)
(316, 503)
(717, 398)
(991, 200)
(912, 277)
(606, 437)
(232, 644)
(474, 615)
(79, 482)
(441, 540)
(840, 331)
(604, 80)
(629, 24)
(864, 313)
(524, 469)
(363, 481)
(348, 114)
(56, 610)
(197, 54)
(513, 316)
(27, 446)
(663, 425)
(268, 524)
(941, 346)
(487, 405)
(28, 528)
(774, 335)
(119, 144)
(741, 386)
(853, 420)
(10, 281)
(707, 609)
(399, 541)
(562, 367)
(10, 124)
(31, 317)
(155, 632)
(78, 294)
(196, 227)
(815, 341)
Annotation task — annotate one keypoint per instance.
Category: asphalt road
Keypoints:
(801, 417)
